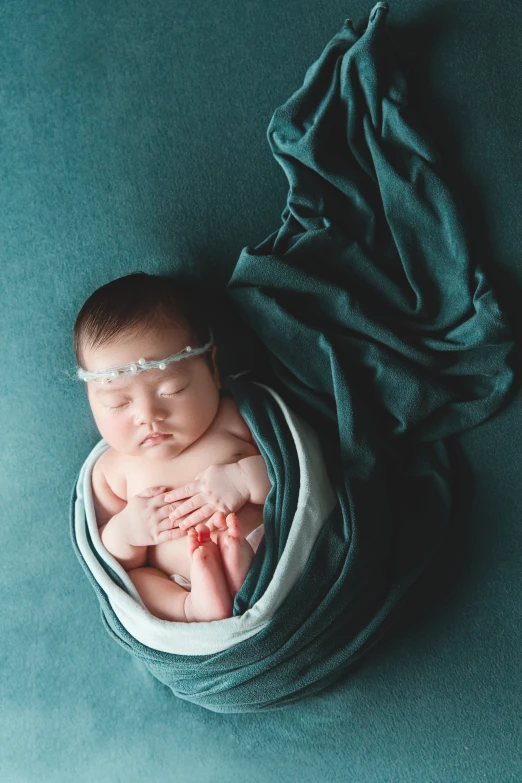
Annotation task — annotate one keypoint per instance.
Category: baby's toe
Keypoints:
(203, 534)
(192, 541)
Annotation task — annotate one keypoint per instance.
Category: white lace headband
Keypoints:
(133, 368)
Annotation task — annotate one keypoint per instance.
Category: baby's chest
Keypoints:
(231, 449)
(183, 469)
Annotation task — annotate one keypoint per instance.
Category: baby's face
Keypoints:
(181, 400)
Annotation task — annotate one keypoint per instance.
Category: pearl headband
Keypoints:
(133, 368)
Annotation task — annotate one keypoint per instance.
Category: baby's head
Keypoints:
(151, 317)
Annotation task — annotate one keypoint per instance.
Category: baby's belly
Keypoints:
(172, 557)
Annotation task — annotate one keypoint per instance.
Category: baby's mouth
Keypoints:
(155, 439)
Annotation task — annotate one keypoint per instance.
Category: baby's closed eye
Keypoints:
(124, 405)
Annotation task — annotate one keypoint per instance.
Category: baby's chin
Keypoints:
(157, 452)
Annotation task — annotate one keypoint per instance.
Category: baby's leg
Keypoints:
(162, 597)
(236, 553)
(209, 598)
(172, 557)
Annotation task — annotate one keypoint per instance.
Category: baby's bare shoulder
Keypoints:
(233, 422)
(111, 464)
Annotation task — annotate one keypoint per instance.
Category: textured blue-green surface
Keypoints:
(126, 145)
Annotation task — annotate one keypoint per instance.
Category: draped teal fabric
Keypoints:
(386, 337)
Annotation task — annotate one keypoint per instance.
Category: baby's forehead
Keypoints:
(152, 377)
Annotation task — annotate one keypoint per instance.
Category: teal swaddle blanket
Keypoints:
(384, 337)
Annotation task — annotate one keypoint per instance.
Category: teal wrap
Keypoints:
(385, 337)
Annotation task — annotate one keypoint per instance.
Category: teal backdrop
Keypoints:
(133, 136)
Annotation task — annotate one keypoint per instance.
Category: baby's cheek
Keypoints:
(116, 434)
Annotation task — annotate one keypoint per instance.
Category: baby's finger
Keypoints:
(156, 495)
(167, 524)
(170, 535)
(158, 500)
(198, 516)
(182, 492)
(217, 521)
(176, 511)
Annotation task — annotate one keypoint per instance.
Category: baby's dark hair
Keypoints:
(135, 303)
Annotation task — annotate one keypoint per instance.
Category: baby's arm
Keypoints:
(109, 509)
(255, 476)
(115, 542)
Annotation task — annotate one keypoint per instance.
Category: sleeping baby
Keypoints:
(179, 493)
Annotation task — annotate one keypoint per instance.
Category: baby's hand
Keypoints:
(219, 488)
(145, 519)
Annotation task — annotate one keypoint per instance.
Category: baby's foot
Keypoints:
(236, 552)
(209, 598)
